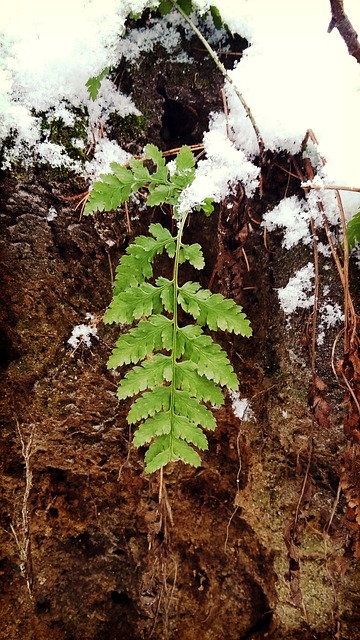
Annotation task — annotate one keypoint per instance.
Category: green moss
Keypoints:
(125, 130)
(56, 131)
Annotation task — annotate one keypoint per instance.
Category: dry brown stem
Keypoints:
(21, 533)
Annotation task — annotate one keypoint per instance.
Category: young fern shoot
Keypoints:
(178, 368)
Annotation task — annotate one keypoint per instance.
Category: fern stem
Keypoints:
(175, 319)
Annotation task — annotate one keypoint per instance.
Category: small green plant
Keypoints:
(94, 83)
(181, 367)
(353, 230)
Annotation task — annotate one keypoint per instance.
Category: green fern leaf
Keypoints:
(163, 237)
(165, 7)
(165, 423)
(167, 293)
(193, 253)
(353, 230)
(188, 379)
(136, 265)
(213, 309)
(149, 403)
(160, 424)
(94, 83)
(141, 175)
(166, 449)
(109, 193)
(161, 173)
(211, 361)
(190, 407)
(186, 6)
(161, 193)
(184, 429)
(185, 161)
(182, 451)
(148, 375)
(134, 303)
(206, 206)
(153, 334)
(158, 454)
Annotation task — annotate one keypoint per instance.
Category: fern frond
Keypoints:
(166, 449)
(136, 265)
(148, 375)
(134, 303)
(158, 454)
(150, 335)
(182, 451)
(353, 230)
(213, 309)
(172, 388)
(188, 379)
(149, 403)
(210, 359)
(109, 192)
(184, 429)
(193, 253)
(190, 407)
(158, 425)
(154, 154)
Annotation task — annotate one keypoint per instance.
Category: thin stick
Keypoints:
(330, 187)
(226, 113)
(336, 502)
(128, 222)
(222, 69)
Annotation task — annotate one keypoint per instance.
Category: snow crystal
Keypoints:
(241, 407)
(297, 293)
(52, 214)
(82, 334)
(160, 31)
(329, 316)
(293, 215)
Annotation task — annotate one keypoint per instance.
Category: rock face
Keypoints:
(250, 545)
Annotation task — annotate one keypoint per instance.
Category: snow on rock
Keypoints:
(297, 293)
(330, 314)
(241, 407)
(293, 215)
(49, 51)
(106, 151)
(83, 333)
(223, 167)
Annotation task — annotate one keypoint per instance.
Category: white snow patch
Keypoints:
(52, 214)
(83, 333)
(50, 50)
(329, 316)
(223, 168)
(241, 407)
(106, 152)
(297, 293)
(293, 215)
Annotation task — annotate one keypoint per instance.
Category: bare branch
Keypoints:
(342, 23)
